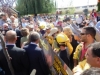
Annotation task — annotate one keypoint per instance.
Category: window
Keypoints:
(84, 6)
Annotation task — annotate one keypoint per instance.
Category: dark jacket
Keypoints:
(18, 43)
(37, 59)
(74, 44)
(1, 72)
(19, 61)
(64, 55)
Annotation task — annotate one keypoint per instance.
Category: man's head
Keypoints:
(88, 34)
(12, 18)
(93, 55)
(13, 25)
(4, 17)
(92, 71)
(11, 36)
(23, 20)
(5, 26)
(48, 27)
(31, 27)
(34, 37)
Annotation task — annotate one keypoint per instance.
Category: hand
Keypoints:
(77, 70)
(49, 60)
(55, 50)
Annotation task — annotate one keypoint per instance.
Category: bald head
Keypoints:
(11, 36)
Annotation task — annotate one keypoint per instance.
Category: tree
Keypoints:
(6, 4)
(70, 11)
(26, 7)
(98, 5)
(86, 11)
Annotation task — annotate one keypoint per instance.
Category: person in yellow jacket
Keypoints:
(87, 38)
(67, 33)
(81, 67)
(51, 36)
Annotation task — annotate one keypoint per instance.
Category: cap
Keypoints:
(52, 31)
(31, 26)
(48, 27)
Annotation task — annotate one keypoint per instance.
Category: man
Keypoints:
(79, 20)
(31, 28)
(14, 20)
(93, 59)
(36, 55)
(3, 19)
(5, 28)
(93, 55)
(87, 38)
(19, 59)
(92, 71)
(18, 32)
(98, 16)
(24, 23)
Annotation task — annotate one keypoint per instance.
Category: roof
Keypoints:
(74, 3)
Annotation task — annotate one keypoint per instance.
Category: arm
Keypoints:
(75, 62)
(76, 55)
(70, 48)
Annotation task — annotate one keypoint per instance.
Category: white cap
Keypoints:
(31, 26)
(48, 27)
(53, 30)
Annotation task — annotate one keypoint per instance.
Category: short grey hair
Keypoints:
(92, 71)
(34, 36)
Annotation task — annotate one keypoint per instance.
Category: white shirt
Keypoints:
(79, 20)
(34, 43)
(10, 44)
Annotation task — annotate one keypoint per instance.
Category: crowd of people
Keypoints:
(76, 42)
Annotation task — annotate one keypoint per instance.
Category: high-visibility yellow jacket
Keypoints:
(82, 66)
(70, 48)
(77, 51)
(50, 39)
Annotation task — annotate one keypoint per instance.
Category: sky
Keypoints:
(74, 3)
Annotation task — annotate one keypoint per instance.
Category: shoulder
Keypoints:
(26, 46)
(80, 45)
(30, 48)
(19, 49)
(38, 49)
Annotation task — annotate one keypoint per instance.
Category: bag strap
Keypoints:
(6, 54)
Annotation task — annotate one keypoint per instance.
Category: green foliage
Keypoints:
(86, 11)
(70, 11)
(26, 7)
(98, 6)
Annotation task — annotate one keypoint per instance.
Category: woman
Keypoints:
(25, 33)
